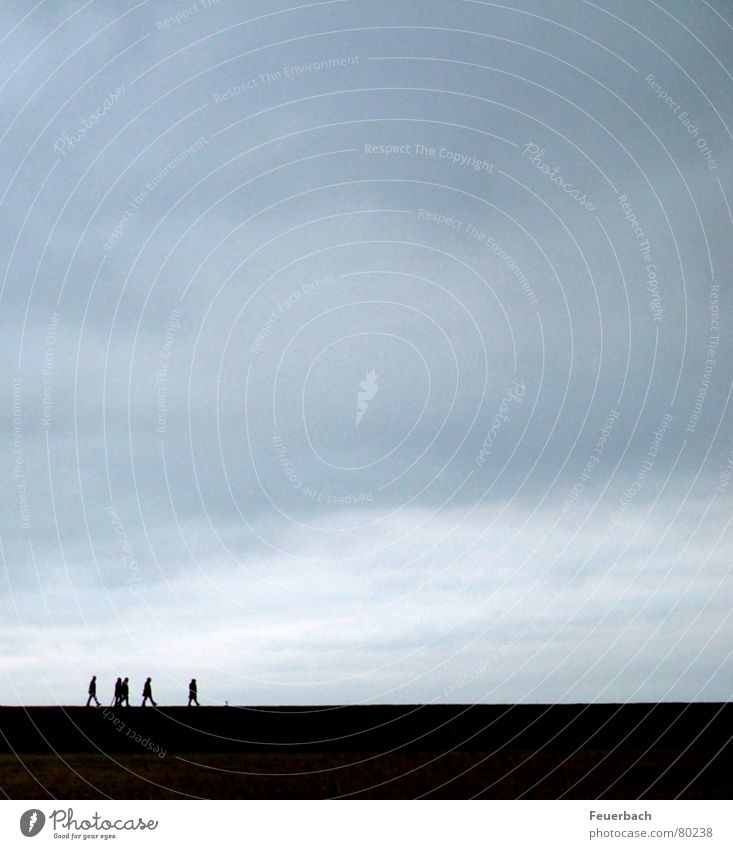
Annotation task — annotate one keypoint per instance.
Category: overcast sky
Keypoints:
(362, 351)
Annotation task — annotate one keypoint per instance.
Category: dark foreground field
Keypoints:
(388, 751)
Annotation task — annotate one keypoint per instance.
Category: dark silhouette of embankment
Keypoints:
(543, 751)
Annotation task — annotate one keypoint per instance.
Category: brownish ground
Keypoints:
(585, 774)
(629, 751)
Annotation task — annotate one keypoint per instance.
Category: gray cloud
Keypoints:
(209, 250)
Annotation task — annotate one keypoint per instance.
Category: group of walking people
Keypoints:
(122, 693)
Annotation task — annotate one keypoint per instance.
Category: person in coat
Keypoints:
(148, 693)
(93, 691)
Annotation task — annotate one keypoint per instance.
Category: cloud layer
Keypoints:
(366, 352)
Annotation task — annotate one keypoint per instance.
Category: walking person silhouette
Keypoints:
(125, 693)
(193, 693)
(148, 693)
(93, 691)
(118, 692)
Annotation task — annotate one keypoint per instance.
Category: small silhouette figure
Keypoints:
(193, 692)
(148, 693)
(93, 691)
(125, 693)
(118, 692)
